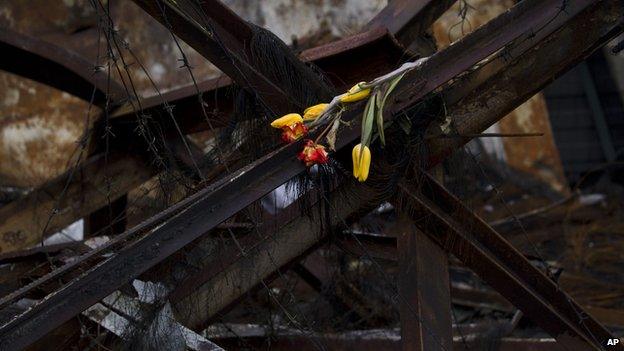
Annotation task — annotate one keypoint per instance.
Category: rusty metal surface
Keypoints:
(187, 107)
(246, 186)
(373, 340)
(437, 68)
(58, 203)
(424, 287)
(149, 255)
(460, 19)
(526, 23)
(31, 114)
(381, 249)
(536, 156)
(207, 33)
(557, 63)
(408, 20)
(456, 229)
(188, 110)
(55, 66)
(506, 88)
(341, 61)
(39, 127)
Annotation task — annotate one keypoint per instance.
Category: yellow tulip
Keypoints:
(360, 169)
(311, 113)
(287, 120)
(355, 93)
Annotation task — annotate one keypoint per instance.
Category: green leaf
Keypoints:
(367, 120)
(381, 103)
(393, 83)
(379, 118)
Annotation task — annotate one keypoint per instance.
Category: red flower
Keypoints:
(313, 153)
(293, 132)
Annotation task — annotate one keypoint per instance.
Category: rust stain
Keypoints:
(450, 26)
(39, 127)
(538, 156)
(42, 16)
(14, 238)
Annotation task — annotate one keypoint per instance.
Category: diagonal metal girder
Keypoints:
(340, 60)
(476, 111)
(409, 20)
(57, 67)
(460, 232)
(218, 34)
(375, 48)
(211, 206)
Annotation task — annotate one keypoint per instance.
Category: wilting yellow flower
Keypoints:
(355, 93)
(361, 162)
(312, 112)
(287, 120)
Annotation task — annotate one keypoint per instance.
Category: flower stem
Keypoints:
(327, 113)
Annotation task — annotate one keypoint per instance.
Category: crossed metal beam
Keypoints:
(57, 67)
(374, 48)
(511, 87)
(188, 220)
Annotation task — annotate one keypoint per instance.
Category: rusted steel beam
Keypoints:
(377, 246)
(460, 232)
(523, 26)
(199, 213)
(223, 281)
(409, 20)
(511, 79)
(375, 48)
(197, 281)
(478, 298)
(233, 336)
(223, 38)
(475, 112)
(557, 62)
(424, 290)
(372, 340)
(187, 104)
(57, 67)
(219, 201)
(43, 251)
(341, 62)
(58, 203)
